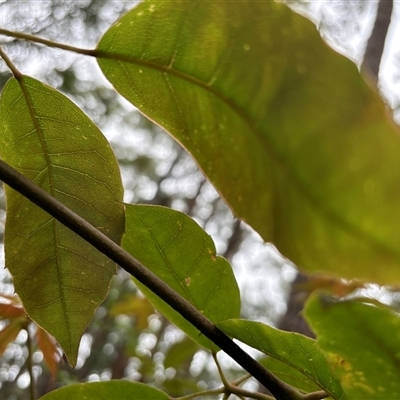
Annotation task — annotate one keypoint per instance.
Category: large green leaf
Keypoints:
(118, 390)
(178, 251)
(362, 345)
(293, 349)
(59, 277)
(287, 130)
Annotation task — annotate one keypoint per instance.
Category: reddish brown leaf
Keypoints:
(11, 311)
(338, 287)
(48, 347)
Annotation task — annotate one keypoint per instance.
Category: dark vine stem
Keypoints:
(105, 245)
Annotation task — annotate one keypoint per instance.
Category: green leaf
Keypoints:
(180, 352)
(60, 278)
(177, 387)
(285, 128)
(290, 375)
(179, 252)
(362, 345)
(293, 349)
(117, 389)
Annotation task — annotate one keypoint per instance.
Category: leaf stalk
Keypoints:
(46, 42)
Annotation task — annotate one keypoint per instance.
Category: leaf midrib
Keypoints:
(24, 88)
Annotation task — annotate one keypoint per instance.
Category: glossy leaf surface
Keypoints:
(178, 251)
(60, 279)
(293, 349)
(362, 345)
(121, 390)
(287, 130)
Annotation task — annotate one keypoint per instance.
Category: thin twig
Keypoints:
(29, 361)
(203, 393)
(10, 64)
(232, 389)
(221, 373)
(316, 395)
(46, 42)
(240, 380)
(253, 395)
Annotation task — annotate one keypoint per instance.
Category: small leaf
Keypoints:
(10, 332)
(48, 347)
(338, 287)
(135, 305)
(293, 349)
(180, 352)
(361, 343)
(114, 389)
(59, 277)
(178, 251)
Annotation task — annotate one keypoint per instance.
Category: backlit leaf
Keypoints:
(285, 128)
(60, 279)
(178, 251)
(293, 349)
(361, 343)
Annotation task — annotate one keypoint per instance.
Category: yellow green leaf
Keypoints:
(286, 129)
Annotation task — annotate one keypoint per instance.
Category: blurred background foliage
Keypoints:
(127, 337)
